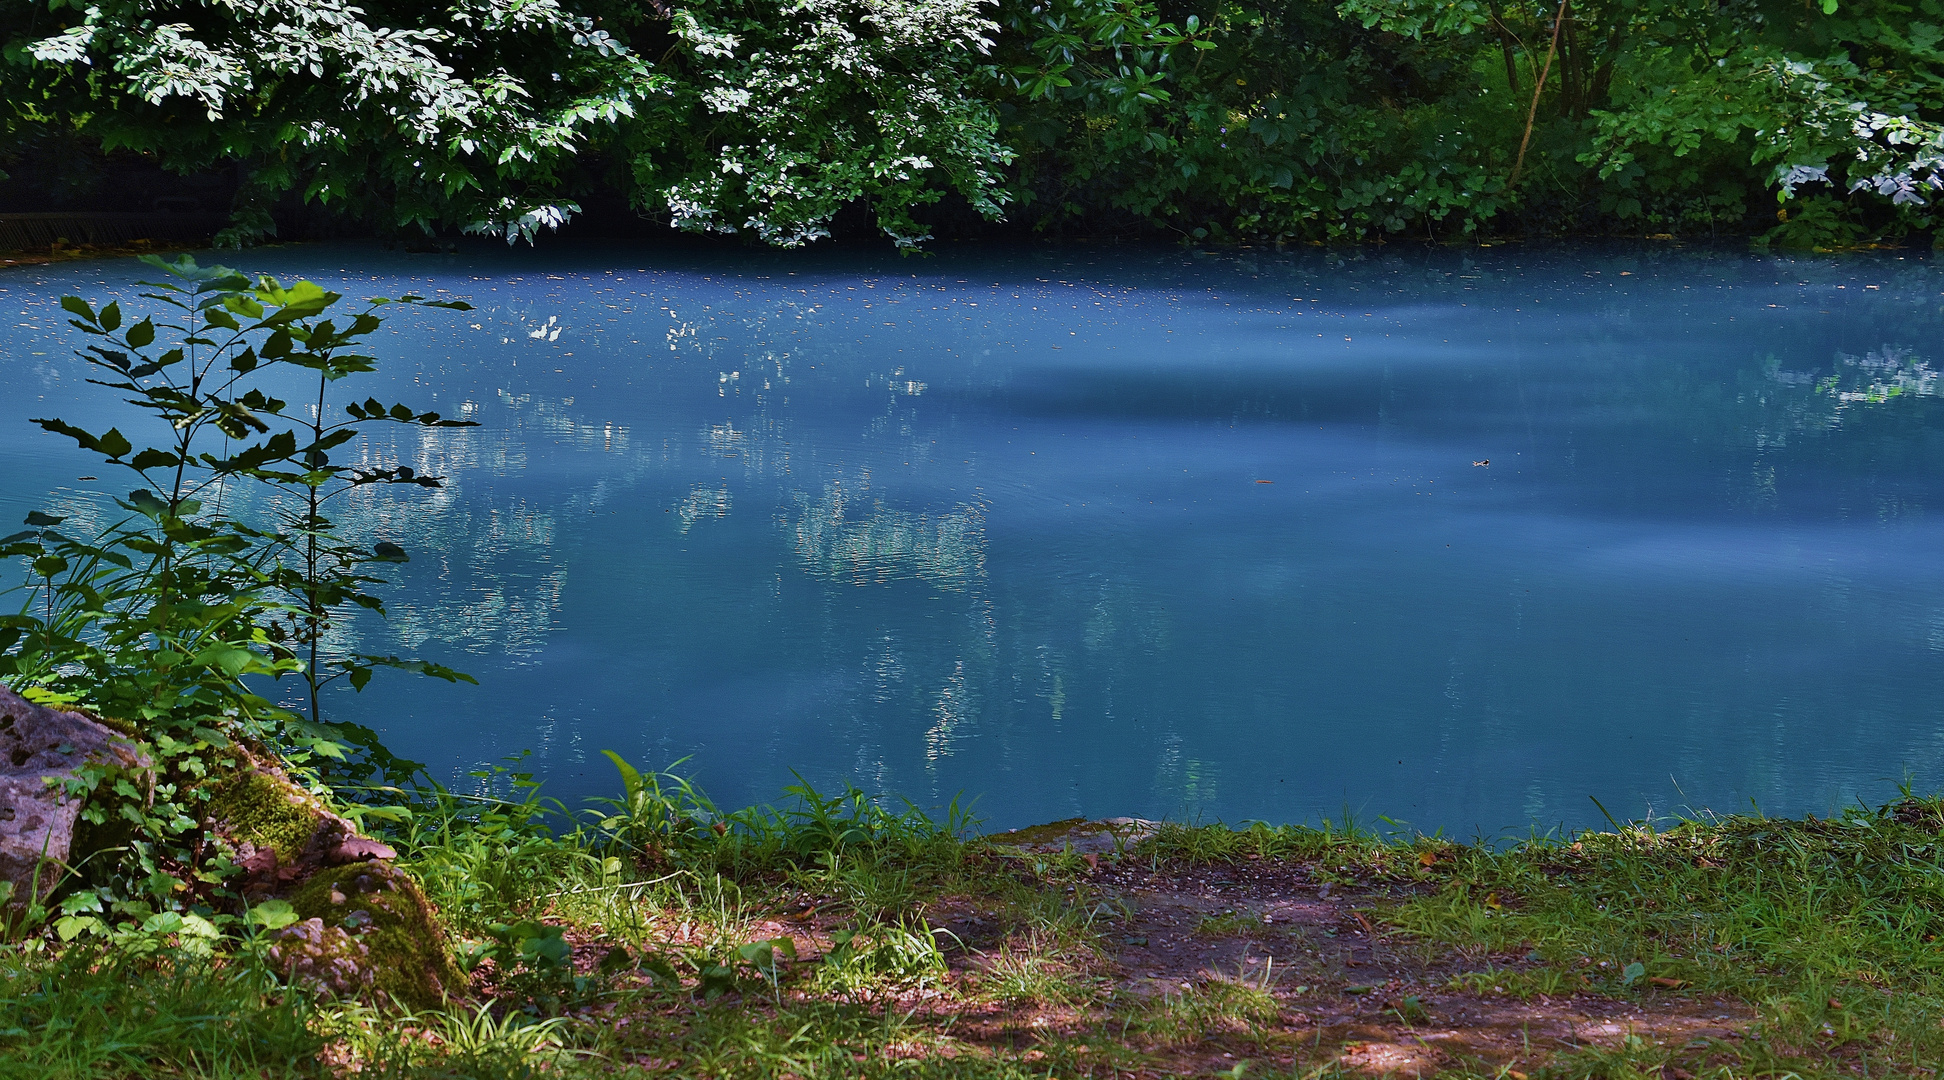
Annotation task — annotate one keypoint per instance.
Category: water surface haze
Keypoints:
(1460, 538)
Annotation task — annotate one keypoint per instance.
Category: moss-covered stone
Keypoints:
(263, 810)
(386, 912)
(1084, 836)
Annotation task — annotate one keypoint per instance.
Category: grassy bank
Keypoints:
(656, 936)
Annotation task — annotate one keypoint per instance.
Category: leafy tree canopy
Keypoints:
(1284, 119)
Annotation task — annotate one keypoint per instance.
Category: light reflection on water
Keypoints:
(1144, 532)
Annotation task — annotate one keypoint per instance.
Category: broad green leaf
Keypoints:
(228, 659)
(69, 927)
(113, 443)
(152, 458)
(272, 914)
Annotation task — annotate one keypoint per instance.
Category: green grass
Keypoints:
(1829, 930)
(1830, 927)
(81, 1015)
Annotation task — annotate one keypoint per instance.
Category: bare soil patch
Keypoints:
(1343, 988)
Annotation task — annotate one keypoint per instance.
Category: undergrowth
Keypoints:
(657, 935)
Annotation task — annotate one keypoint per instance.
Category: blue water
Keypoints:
(1144, 531)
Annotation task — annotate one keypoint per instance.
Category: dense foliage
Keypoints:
(1438, 116)
(1283, 120)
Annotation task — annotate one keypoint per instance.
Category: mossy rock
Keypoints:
(266, 811)
(380, 907)
(1084, 836)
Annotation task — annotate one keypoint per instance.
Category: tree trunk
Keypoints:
(1508, 44)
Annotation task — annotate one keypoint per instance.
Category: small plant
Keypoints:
(725, 974)
(1214, 1007)
(159, 620)
(1230, 924)
(1817, 223)
(899, 954)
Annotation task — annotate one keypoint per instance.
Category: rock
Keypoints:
(1080, 835)
(374, 931)
(366, 928)
(280, 833)
(322, 958)
(39, 748)
(359, 849)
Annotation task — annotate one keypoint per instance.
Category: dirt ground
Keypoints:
(1342, 989)
(1385, 1004)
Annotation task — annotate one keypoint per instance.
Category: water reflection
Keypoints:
(839, 540)
(1153, 533)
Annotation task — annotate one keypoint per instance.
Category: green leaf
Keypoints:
(79, 307)
(145, 503)
(758, 954)
(40, 520)
(111, 317)
(244, 306)
(141, 335)
(552, 948)
(630, 776)
(398, 814)
(302, 300)
(69, 927)
(386, 551)
(81, 903)
(228, 659)
(273, 914)
(152, 458)
(1633, 972)
(113, 443)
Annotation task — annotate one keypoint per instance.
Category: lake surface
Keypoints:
(1102, 531)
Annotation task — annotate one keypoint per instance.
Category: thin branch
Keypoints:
(1558, 21)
